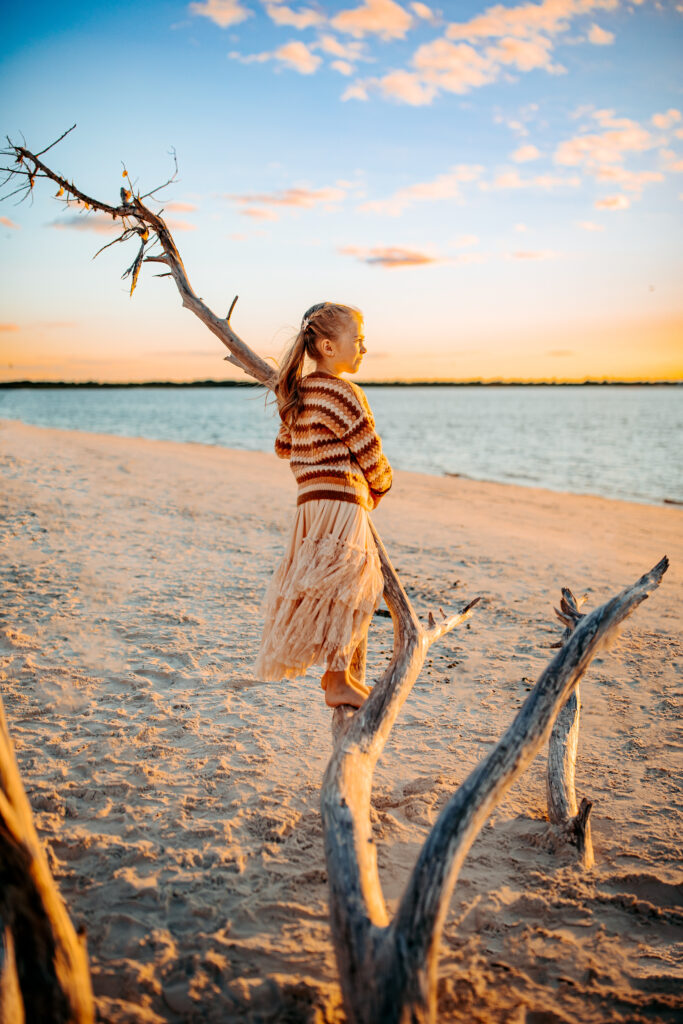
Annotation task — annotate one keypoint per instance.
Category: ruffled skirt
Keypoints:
(322, 595)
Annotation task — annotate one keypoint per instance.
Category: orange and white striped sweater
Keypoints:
(333, 448)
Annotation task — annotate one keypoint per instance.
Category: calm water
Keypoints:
(617, 442)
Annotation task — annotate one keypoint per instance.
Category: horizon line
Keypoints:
(398, 382)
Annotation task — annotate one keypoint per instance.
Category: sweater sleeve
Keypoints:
(283, 442)
(365, 445)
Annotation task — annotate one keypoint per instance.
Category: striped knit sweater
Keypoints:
(333, 448)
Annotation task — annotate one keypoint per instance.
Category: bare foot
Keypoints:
(338, 692)
(344, 677)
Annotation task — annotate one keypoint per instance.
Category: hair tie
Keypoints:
(305, 323)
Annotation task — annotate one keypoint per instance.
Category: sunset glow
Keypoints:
(497, 187)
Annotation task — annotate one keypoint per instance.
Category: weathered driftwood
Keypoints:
(563, 810)
(387, 970)
(44, 972)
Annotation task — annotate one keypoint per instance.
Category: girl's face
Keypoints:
(344, 352)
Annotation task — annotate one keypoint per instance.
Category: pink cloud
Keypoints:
(303, 198)
(383, 18)
(283, 15)
(222, 12)
(599, 36)
(389, 257)
(295, 55)
(613, 203)
(527, 19)
(589, 225)
(666, 120)
(444, 186)
(180, 207)
(100, 223)
(10, 327)
(525, 153)
(6, 222)
(406, 87)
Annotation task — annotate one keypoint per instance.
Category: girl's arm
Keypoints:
(365, 445)
(283, 442)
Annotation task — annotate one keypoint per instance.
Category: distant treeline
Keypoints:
(436, 383)
(363, 383)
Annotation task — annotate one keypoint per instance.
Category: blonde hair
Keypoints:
(324, 320)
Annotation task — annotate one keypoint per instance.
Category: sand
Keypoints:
(178, 796)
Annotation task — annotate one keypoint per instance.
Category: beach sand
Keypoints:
(178, 796)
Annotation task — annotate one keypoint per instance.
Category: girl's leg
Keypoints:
(356, 666)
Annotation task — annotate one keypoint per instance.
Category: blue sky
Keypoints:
(497, 187)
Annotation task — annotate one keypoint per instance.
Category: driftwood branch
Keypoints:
(149, 227)
(563, 810)
(388, 970)
(44, 972)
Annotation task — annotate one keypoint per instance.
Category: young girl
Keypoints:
(322, 595)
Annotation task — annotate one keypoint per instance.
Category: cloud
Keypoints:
(632, 181)
(667, 120)
(260, 205)
(258, 213)
(612, 203)
(283, 15)
(351, 51)
(177, 207)
(532, 254)
(294, 54)
(180, 225)
(526, 20)
(623, 136)
(444, 186)
(222, 12)
(453, 67)
(342, 66)
(599, 36)
(589, 225)
(6, 222)
(390, 257)
(356, 91)
(384, 18)
(521, 228)
(422, 11)
(10, 327)
(100, 223)
(560, 353)
(673, 162)
(406, 87)
(525, 153)
(511, 179)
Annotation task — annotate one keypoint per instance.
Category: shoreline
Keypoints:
(178, 795)
(229, 383)
(664, 502)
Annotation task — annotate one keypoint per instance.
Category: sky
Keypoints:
(498, 187)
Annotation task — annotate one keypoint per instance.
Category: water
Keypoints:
(618, 442)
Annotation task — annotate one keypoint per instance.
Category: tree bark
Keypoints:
(388, 971)
(44, 966)
(563, 810)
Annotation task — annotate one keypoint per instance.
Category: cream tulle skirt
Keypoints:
(321, 597)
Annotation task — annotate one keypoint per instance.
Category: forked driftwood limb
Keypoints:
(44, 973)
(388, 971)
(563, 810)
(139, 222)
